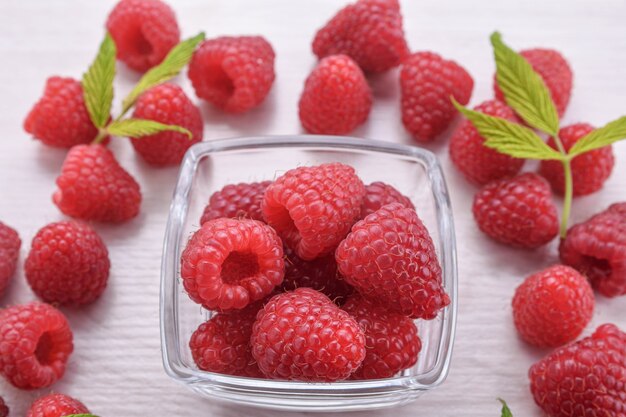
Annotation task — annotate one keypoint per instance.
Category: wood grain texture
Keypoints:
(116, 368)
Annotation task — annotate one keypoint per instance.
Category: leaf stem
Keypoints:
(569, 186)
(102, 133)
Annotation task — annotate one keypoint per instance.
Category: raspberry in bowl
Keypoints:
(193, 337)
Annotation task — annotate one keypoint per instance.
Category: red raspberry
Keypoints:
(427, 81)
(222, 344)
(233, 73)
(56, 405)
(517, 211)
(553, 306)
(379, 194)
(241, 200)
(168, 104)
(478, 163)
(68, 263)
(597, 249)
(9, 252)
(93, 186)
(369, 31)
(313, 208)
(336, 98)
(589, 170)
(389, 257)
(554, 70)
(60, 117)
(36, 342)
(4, 409)
(144, 32)
(586, 378)
(301, 335)
(229, 263)
(391, 340)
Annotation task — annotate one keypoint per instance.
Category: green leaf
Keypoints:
(604, 136)
(523, 88)
(506, 412)
(177, 58)
(509, 138)
(98, 83)
(136, 128)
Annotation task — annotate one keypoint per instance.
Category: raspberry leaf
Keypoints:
(524, 90)
(604, 136)
(140, 127)
(506, 412)
(98, 83)
(177, 58)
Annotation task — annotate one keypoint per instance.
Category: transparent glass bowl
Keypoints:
(208, 167)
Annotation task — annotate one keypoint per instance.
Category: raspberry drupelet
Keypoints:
(9, 253)
(378, 194)
(242, 200)
(56, 405)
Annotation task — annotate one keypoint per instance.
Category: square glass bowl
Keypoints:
(208, 167)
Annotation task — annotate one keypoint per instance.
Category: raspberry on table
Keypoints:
(56, 405)
(60, 117)
(93, 186)
(378, 194)
(586, 378)
(9, 253)
(236, 201)
(230, 263)
(233, 73)
(336, 98)
(597, 249)
(589, 170)
(313, 208)
(36, 342)
(389, 257)
(301, 335)
(4, 409)
(478, 163)
(391, 339)
(517, 211)
(68, 263)
(167, 103)
(553, 306)
(427, 81)
(144, 32)
(369, 31)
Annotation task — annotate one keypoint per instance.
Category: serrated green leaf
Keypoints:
(509, 138)
(177, 58)
(524, 90)
(506, 412)
(604, 136)
(98, 83)
(136, 128)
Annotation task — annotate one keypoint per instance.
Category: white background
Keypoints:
(116, 368)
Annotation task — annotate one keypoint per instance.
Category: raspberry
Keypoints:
(369, 31)
(478, 163)
(389, 257)
(313, 208)
(517, 211)
(60, 117)
(9, 252)
(241, 200)
(379, 194)
(597, 249)
(391, 340)
(56, 405)
(336, 98)
(93, 186)
(4, 409)
(301, 335)
(144, 32)
(233, 73)
(586, 378)
(556, 74)
(68, 263)
(229, 263)
(589, 170)
(427, 81)
(36, 342)
(553, 306)
(222, 344)
(168, 104)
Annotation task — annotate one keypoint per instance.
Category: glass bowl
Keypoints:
(208, 167)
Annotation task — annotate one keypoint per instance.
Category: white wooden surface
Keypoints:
(116, 368)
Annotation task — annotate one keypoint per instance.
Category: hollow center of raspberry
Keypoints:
(221, 85)
(596, 268)
(284, 224)
(239, 265)
(44, 349)
(139, 42)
